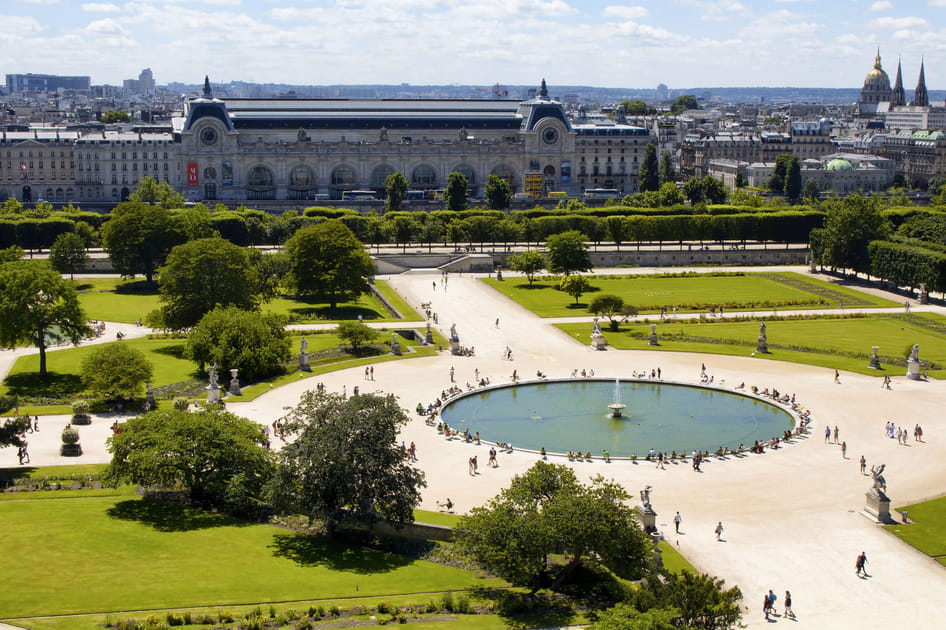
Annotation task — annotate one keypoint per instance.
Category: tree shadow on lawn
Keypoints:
(176, 351)
(170, 517)
(310, 551)
(523, 610)
(53, 385)
(325, 312)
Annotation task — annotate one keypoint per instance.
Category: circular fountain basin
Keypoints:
(577, 415)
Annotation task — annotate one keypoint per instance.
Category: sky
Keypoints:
(604, 43)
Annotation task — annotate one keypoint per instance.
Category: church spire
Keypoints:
(208, 93)
(920, 96)
(877, 65)
(543, 90)
(898, 97)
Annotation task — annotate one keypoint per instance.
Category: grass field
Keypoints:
(691, 293)
(76, 555)
(841, 343)
(927, 528)
(118, 300)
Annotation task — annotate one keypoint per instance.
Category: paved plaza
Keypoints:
(792, 517)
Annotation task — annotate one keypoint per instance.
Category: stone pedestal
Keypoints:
(913, 370)
(235, 383)
(598, 342)
(429, 337)
(395, 346)
(874, 359)
(499, 274)
(304, 362)
(924, 294)
(762, 345)
(877, 507)
(648, 518)
(653, 336)
(213, 394)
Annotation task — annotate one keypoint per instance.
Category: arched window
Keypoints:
(344, 176)
(504, 172)
(467, 171)
(379, 174)
(424, 176)
(209, 173)
(4, 195)
(60, 194)
(549, 171)
(260, 183)
(301, 182)
(48, 195)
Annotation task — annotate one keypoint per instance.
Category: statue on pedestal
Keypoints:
(453, 333)
(880, 484)
(915, 352)
(645, 498)
(212, 377)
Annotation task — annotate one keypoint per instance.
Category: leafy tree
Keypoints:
(669, 195)
(12, 205)
(328, 261)
(160, 194)
(403, 228)
(205, 453)
(454, 195)
(616, 229)
(195, 222)
(849, 225)
(139, 237)
(612, 307)
(395, 185)
(693, 190)
(623, 616)
(356, 334)
(713, 190)
(344, 462)
(684, 103)
(546, 511)
(568, 252)
(272, 273)
(255, 343)
(497, 192)
(667, 173)
(530, 263)
(810, 192)
(115, 116)
(779, 175)
(637, 108)
(12, 430)
(37, 307)
(116, 370)
(793, 180)
(202, 275)
(701, 601)
(650, 170)
(900, 181)
(575, 286)
(11, 253)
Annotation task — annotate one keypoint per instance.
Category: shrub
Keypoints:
(447, 602)
(463, 604)
(80, 407)
(181, 404)
(70, 436)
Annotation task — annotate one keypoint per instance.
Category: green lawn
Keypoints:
(831, 342)
(691, 293)
(117, 300)
(100, 554)
(927, 527)
(673, 560)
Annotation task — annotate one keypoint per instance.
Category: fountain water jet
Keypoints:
(617, 407)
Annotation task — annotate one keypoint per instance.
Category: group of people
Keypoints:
(583, 373)
(768, 605)
(891, 430)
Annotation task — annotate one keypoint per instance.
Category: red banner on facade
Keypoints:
(192, 173)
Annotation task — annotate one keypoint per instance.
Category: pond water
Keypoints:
(573, 415)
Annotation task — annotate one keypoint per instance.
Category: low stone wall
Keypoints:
(425, 531)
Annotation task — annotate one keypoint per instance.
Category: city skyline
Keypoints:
(682, 43)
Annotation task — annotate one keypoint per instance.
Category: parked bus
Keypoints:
(602, 193)
(359, 195)
(415, 195)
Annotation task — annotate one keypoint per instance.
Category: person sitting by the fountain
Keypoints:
(650, 455)
(588, 456)
(591, 372)
(571, 456)
(574, 372)
(583, 373)
(606, 455)
(466, 435)
(741, 448)
(515, 376)
(542, 452)
(539, 374)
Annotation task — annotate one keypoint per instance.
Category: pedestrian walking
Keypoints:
(497, 322)
(843, 450)
(372, 373)
(676, 522)
(765, 606)
(719, 530)
(492, 458)
(788, 605)
(863, 465)
(836, 432)
(367, 372)
(837, 377)
(827, 434)
(475, 465)
(773, 598)
(451, 374)
(860, 565)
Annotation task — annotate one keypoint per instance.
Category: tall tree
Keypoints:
(650, 170)
(793, 180)
(529, 263)
(38, 307)
(68, 255)
(575, 286)
(699, 601)
(454, 195)
(161, 194)
(202, 275)
(138, 237)
(328, 261)
(693, 190)
(395, 186)
(849, 226)
(612, 307)
(254, 343)
(546, 511)
(811, 192)
(777, 181)
(116, 370)
(497, 192)
(115, 116)
(568, 252)
(683, 103)
(206, 453)
(713, 190)
(667, 173)
(344, 462)
(637, 108)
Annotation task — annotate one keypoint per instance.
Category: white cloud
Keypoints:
(626, 13)
(881, 5)
(20, 25)
(898, 23)
(100, 7)
(718, 10)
